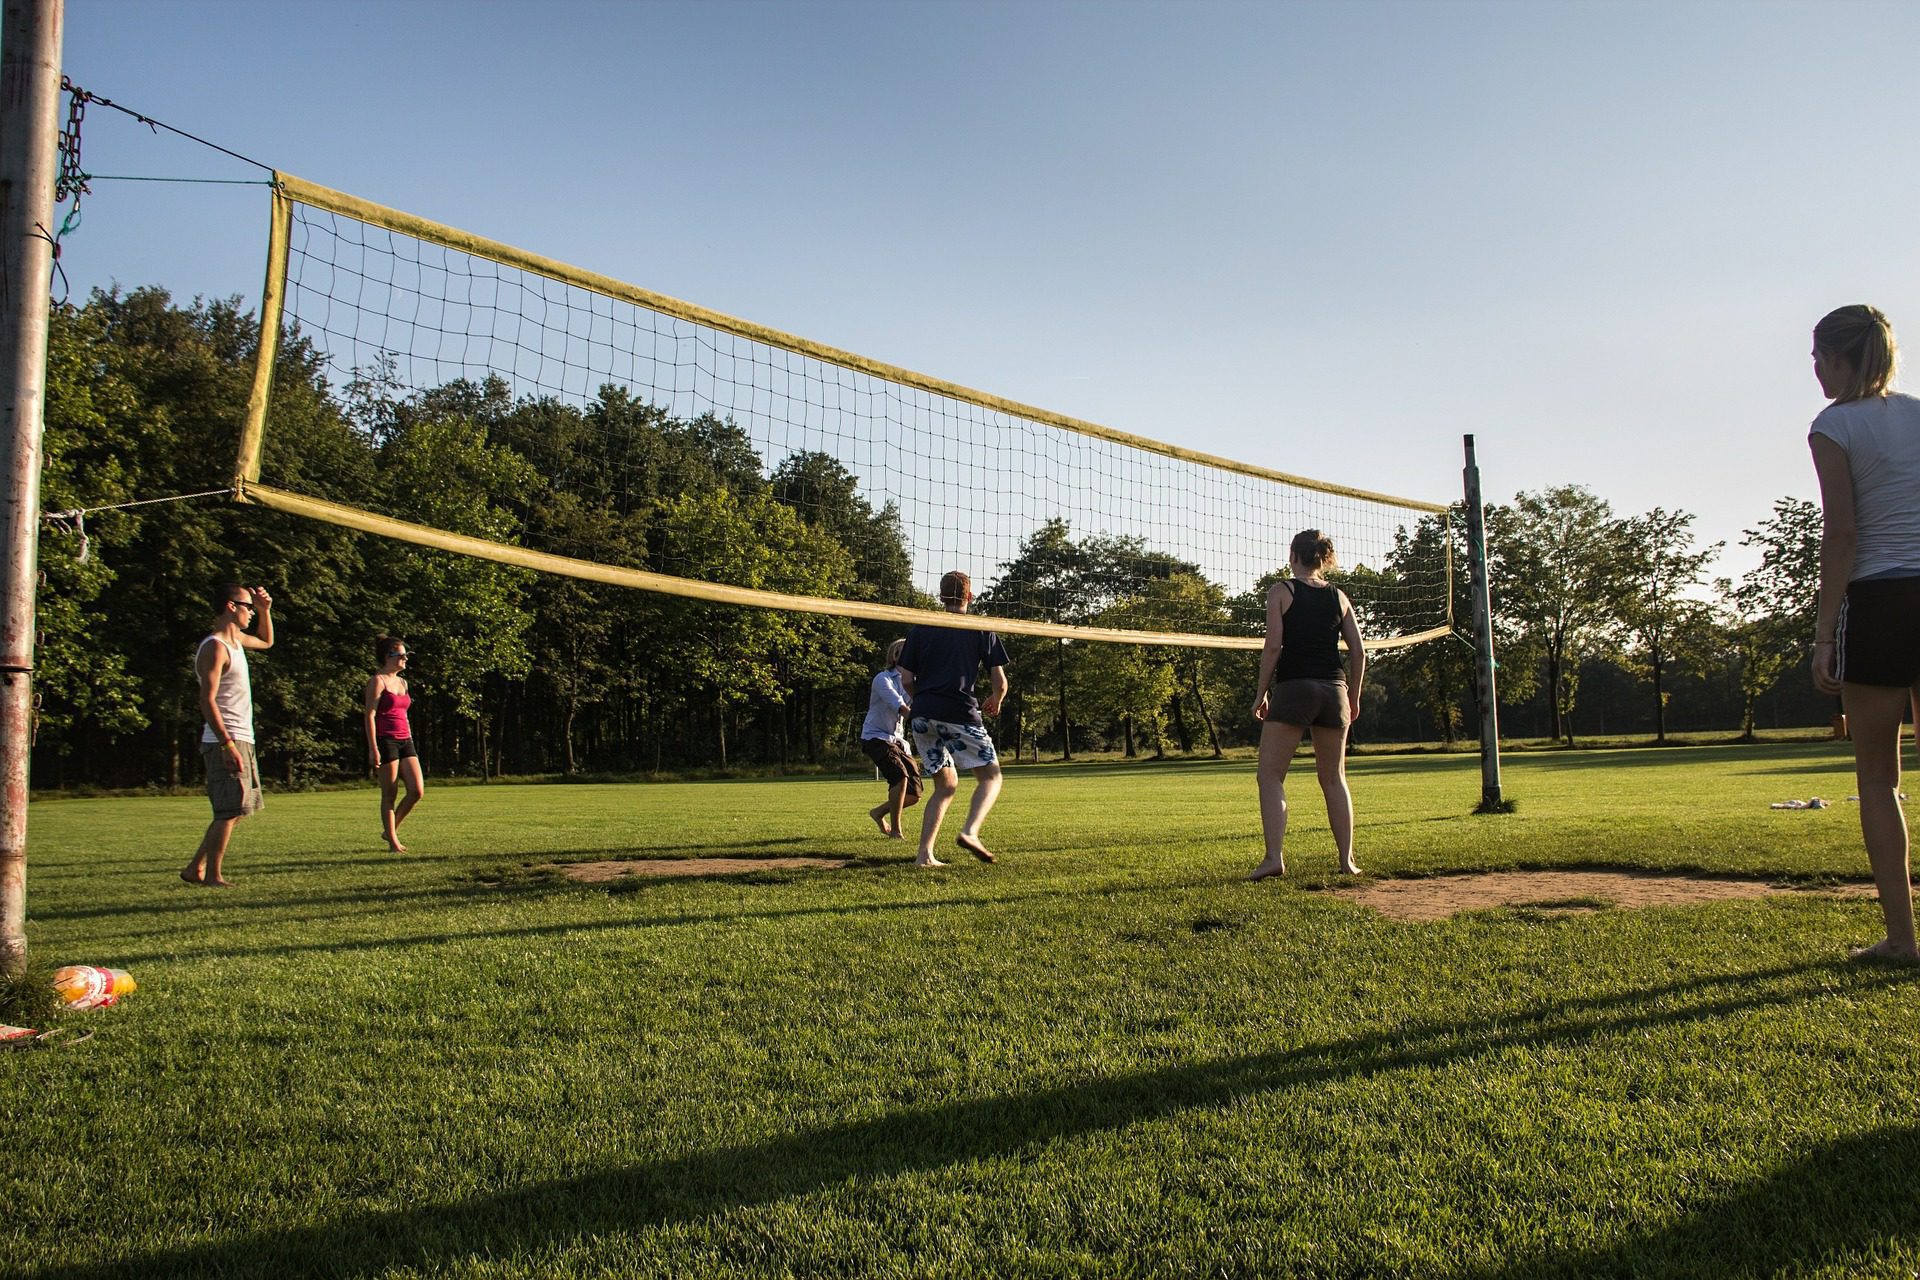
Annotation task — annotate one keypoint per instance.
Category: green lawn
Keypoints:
(1106, 1056)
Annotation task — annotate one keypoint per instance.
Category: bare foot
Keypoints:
(394, 846)
(1883, 952)
(928, 861)
(217, 882)
(896, 835)
(191, 878)
(1271, 867)
(1349, 868)
(879, 817)
(975, 848)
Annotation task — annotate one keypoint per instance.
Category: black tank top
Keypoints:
(1310, 635)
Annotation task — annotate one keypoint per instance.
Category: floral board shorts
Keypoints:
(943, 744)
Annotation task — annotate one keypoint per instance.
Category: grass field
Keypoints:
(1106, 1056)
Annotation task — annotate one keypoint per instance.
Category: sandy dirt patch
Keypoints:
(1437, 897)
(619, 868)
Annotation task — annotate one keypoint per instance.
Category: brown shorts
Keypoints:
(893, 762)
(234, 795)
(1319, 704)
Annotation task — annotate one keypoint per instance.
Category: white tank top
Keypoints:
(234, 696)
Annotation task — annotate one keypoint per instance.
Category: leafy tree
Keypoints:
(1190, 602)
(91, 412)
(1786, 584)
(1437, 676)
(465, 616)
(1555, 560)
(1042, 581)
(1130, 683)
(1770, 611)
(822, 492)
(1658, 567)
(170, 384)
(731, 654)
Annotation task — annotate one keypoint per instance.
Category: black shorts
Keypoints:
(392, 749)
(893, 762)
(1878, 639)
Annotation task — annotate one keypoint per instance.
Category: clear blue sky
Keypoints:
(1328, 238)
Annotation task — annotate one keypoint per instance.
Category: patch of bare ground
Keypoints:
(619, 868)
(1438, 897)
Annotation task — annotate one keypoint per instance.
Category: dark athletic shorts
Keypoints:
(1319, 704)
(893, 762)
(392, 749)
(1878, 639)
(234, 795)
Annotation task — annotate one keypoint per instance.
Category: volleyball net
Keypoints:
(640, 417)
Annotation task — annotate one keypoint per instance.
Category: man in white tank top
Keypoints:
(226, 708)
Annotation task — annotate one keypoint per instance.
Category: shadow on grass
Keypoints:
(1759, 757)
(524, 1220)
(184, 900)
(1840, 1204)
(558, 886)
(476, 871)
(1837, 767)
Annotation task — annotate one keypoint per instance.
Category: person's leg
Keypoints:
(416, 784)
(227, 791)
(1278, 742)
(986, 790)
(881, 772)
(946, 785)
(905, 792)
(886, 814)
(213, 850)
(389, 788)
(204, 868)
(1873, 715)
(1330, 763)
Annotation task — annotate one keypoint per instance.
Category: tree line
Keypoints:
(522, 673)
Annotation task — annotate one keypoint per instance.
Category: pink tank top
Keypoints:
(390, 715)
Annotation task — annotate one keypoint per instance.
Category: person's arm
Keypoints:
(906, 683)
(1277, 605)
(371, 704)
(262, 622)
(996, 690)
(1839, 538)
(1356, 656)
(210, 664)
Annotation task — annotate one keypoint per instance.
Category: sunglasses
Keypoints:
(242, 604)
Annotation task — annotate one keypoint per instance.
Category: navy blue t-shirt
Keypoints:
(944, 662)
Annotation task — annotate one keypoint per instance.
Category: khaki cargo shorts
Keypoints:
(234, 795)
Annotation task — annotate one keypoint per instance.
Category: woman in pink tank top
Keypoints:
(390, 751)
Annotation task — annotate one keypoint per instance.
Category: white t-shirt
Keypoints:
(233, 696)
(884, 701)
(1881, 435)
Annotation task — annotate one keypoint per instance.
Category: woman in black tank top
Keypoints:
(1303, 689)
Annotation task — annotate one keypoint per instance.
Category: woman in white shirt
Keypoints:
(1866, 638)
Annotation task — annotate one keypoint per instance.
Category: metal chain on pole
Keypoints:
(73, 180)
